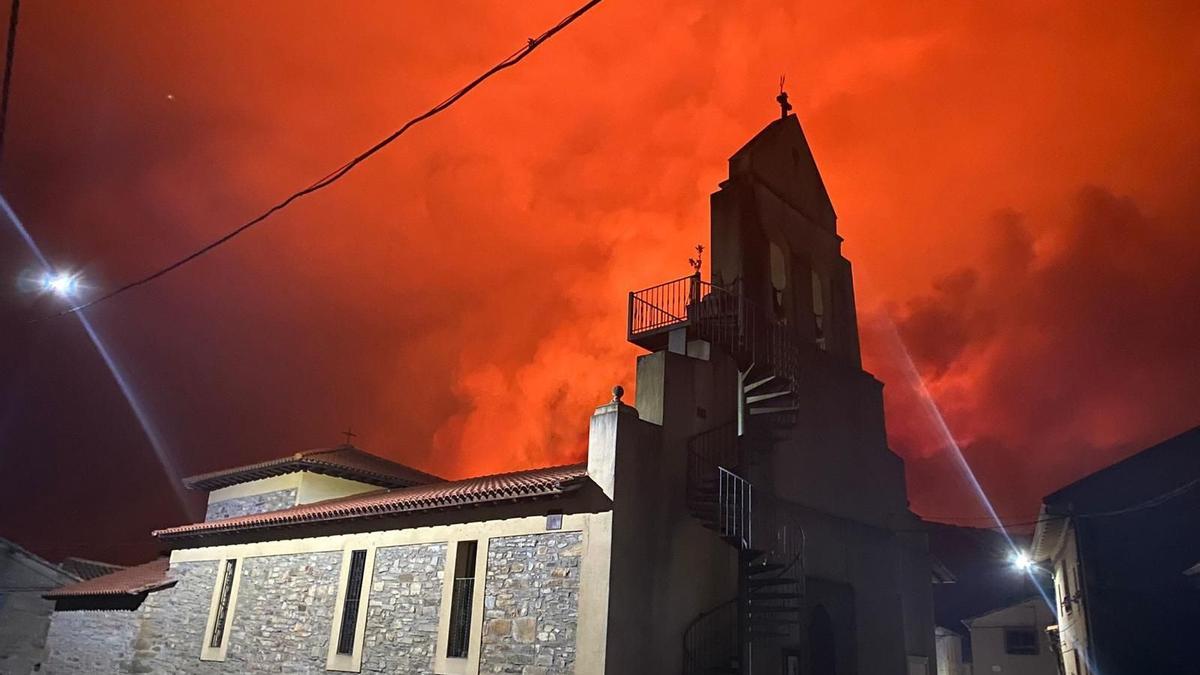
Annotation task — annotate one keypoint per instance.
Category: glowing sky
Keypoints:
(1015, 183)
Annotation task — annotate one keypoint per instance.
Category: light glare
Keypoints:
(63, 284)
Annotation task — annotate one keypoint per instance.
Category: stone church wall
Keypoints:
(402, 612)
(282, 617)
(531, 603)
(244, 506)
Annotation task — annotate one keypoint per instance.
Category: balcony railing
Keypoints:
(722, 316)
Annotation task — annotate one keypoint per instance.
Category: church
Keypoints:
(744, 515)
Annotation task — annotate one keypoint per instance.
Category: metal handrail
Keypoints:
(723, 316)
(711, 639)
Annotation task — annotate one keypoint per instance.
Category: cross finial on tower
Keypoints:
(782, 98)
(349, 433)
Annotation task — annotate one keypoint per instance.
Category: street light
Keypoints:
(1022, 561)
(62, 284)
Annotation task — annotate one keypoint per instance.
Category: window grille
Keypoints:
(358, 562)
(1021, 641)
(218, 631)
(461, 600)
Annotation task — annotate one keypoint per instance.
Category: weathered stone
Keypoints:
(260, 503)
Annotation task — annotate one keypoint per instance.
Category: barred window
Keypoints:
(358, 562)
(461, 599)
(1023, 641)
(218, 630)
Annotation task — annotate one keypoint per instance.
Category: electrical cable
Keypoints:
(510, 61)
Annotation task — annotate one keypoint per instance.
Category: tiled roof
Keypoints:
(88, 569)
(344, 461)
(128, 581)
(482, 490)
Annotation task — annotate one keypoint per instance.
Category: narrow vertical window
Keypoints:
(354, 582)
(461, 599)
(218, 630)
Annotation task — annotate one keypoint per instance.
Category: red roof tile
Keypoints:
(128, 581)
(344, 461)
(484, 489)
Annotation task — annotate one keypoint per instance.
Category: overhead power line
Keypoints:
(510, 61)
(10, 48)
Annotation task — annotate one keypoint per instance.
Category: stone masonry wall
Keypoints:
(402, 609)
(284, 614)
(244, 506)
(531, 604)
(91, 642)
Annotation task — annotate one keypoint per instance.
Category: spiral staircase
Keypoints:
(769, 604)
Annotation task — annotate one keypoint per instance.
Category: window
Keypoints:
(461, 600)
(1021, 641)
(218, 629)
(354, 583)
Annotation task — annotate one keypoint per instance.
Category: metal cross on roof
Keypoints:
(348, 433)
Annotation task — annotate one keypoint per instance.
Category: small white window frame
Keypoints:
(352, 662)
(470, 664)
(208, 652)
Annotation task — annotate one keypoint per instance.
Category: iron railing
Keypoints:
(724, 316)
(460, 617)
(710, 642)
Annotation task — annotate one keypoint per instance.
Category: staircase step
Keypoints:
(773, 609)
(767, 634)
(771, 581)
(769, 410)
(767, 622)
(757, 383)
(749, 555)
(763, 569)
(775, 596)
(758, 398)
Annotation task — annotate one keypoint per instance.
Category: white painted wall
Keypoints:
(988, 641)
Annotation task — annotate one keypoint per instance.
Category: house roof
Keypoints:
(519, 485)
(36, 563)
(1164, 455)
(88, 569)
(343, 461)
(142, 578)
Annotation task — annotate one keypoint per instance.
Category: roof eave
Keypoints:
(178, 534)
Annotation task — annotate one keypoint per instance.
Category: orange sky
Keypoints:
(1014, 181)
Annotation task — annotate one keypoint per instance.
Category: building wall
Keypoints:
(1072, 613)
(91, 642)
(244, 506)
(283, 612)
(279, 492)
(24, 614)
(988, 652)
(402, 612)
(531, 600)
(950, 654)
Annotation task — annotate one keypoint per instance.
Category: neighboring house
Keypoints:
(1116, 542)
(953, 654)
(24, 614)
(1013, 640)
(745, 517)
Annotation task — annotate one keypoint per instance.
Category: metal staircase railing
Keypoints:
(724, 316)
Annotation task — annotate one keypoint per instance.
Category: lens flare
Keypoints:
(913, 379)
(67, 284)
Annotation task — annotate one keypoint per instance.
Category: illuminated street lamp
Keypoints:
(62, 284)
(1022, 561)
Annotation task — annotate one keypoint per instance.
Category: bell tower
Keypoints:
(774, 232)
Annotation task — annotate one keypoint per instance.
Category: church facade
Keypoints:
(744, 516)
